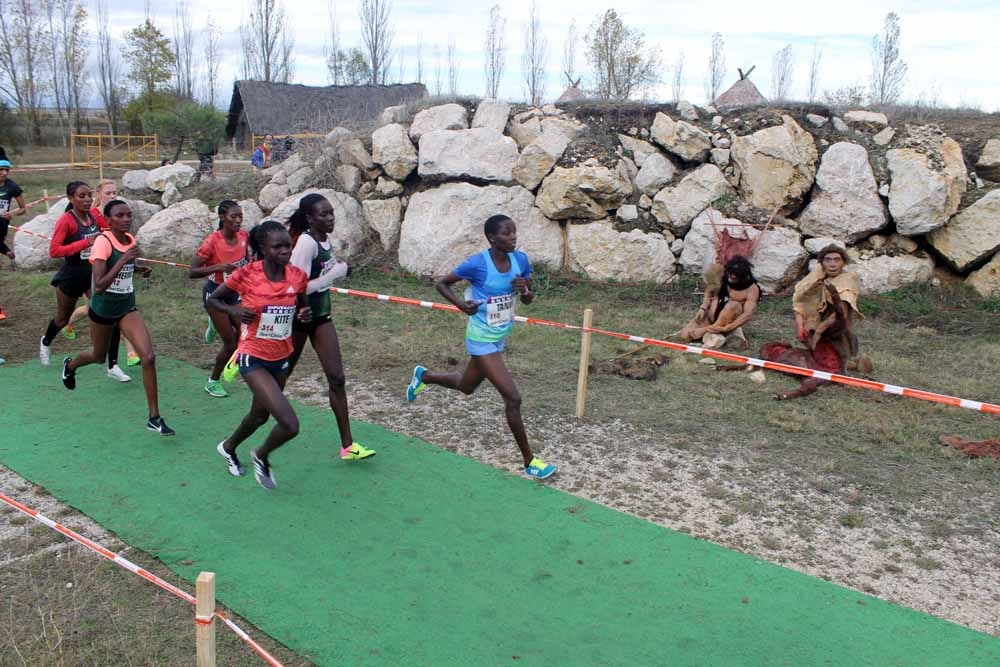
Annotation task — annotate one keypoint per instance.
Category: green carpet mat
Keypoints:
(422, 557)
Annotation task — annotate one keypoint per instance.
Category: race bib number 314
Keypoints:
(275, 322)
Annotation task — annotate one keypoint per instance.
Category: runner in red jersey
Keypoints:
(273, 295)
(220, 254)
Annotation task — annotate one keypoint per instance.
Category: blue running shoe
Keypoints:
(416, 384)
(539, 469)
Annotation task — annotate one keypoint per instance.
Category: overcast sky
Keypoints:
(950, 46)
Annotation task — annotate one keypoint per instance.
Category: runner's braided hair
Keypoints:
(224, 206)
(258, 236)
(298, 222)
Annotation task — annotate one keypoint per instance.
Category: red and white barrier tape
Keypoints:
(693, 349)
(125, 563)
(918, 394)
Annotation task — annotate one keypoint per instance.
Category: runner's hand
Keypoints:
(131, 254)
(471, 307)
(304, 314)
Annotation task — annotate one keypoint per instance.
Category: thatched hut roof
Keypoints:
(741, 94)
(287, 108)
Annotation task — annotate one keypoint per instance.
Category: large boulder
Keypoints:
(926, 187)
(988, 165)
(252, 215)
(444, 225)
(885, 273)
(271, 195)
(588, 191)
(135, 180)
(525, 127)
(639, 149)
(385, 217)
(353, 151)
(178, 175)
(176, 232)
(171, 195)
(492, 114)
(348, 176)
(299, 178)
(677, 206)
(655, 173)
(775, 167)
(33, 251)
(601, 253)
(845, 204)
(567, 126)
(338, 134)
(481, 154)
(872, 119)
(538, 158)
(397, 114)
(349, 227)
(699, 243)
(142, 211)
(681, 138)
(442, 117)
(972, 235)
(986, 280)
(391, 148)
(778, 259)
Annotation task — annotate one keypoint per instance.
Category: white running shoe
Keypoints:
(43, 352)
(233, 463)
(116, 373)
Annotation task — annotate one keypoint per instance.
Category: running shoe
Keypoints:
(3, 315)
(116, 373)
(43, 351)
(356, 452)
(69, 332)
(210, 332)
(215, 389)
(416, 384)
(235, 467)
(133, 359)
(2, 361)
(539, 469)
(231, 369)
(262, 473)
(68, 375)
(157, 424)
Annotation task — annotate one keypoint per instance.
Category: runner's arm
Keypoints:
(58, 246)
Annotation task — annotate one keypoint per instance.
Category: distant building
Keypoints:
(260, 107)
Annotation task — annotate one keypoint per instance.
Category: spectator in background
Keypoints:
(9, 192)
(262, 155)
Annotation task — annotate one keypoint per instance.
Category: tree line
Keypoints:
(45, 49)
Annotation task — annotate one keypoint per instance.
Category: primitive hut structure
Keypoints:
(262, 107)
(741, 94)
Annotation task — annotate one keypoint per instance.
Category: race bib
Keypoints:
(85, 253)
(500, 310)
(4, 205)
(123, 281)
(275, 322)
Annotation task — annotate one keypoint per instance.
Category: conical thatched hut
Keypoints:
(741, 94)
(261, 107)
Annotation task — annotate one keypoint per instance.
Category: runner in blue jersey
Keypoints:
(497, 277)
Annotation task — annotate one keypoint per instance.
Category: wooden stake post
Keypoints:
(204, 590)
(581, 381)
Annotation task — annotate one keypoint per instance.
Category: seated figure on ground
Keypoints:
(826, 313)
(725, 309)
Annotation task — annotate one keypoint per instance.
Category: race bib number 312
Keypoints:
(275, 322)
(500, 310)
